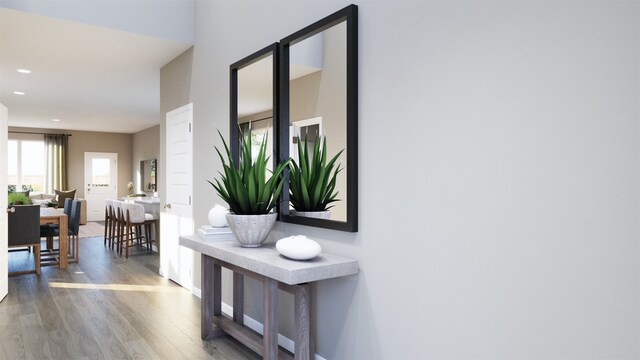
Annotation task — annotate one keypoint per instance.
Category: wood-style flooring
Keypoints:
(104, 307)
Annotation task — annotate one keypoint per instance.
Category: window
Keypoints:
(26, 165)
(101, 173)
(259, 129)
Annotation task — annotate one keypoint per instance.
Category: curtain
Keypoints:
(56, 150)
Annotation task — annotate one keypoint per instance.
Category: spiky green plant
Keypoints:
(312, 183)
(245, 187)
(18, 197)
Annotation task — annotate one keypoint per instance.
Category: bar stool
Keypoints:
(150, 220)
(110, 223)
(134, 219)
(117, 224)
(107, 223)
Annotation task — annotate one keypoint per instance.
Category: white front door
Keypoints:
(4, 254)
(101, 182)
(176, 262)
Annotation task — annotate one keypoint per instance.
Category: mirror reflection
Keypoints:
(148, 175)
(319, 103)
(318, 106)
(255, 104)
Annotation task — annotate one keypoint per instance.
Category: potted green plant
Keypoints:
(18, 198)
(249, 192)
(312, 183)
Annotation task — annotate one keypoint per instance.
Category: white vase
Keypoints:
(217, 216)
(313, 214)
(251, 230)
(298, 247)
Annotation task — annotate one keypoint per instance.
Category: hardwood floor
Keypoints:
(104, 307)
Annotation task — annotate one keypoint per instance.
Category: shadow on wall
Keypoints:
(337, 304)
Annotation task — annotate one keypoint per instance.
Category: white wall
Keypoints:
(499, 167)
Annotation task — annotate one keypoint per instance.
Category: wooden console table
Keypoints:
(275, 272)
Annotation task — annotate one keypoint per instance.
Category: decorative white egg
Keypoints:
(217, 216)
(298, 247)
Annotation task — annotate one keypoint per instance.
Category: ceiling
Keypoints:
(90, 78)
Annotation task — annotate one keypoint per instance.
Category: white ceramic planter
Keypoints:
(251, 230)
(313, 214)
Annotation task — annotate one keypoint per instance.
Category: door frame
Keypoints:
(4, 241)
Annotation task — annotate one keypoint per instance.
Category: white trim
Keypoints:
(255, 325)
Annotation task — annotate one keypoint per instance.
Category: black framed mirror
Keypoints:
(148, 178)
(254, 101)
(319, 103)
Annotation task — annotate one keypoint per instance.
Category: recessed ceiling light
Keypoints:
(18, 92)
(24, 71)
(56, 120)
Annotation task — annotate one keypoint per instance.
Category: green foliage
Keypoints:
(245, 187)
(19, 198)
(312, 183)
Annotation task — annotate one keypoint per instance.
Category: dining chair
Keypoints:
(23, 229)
(73, 230)
(47, 230)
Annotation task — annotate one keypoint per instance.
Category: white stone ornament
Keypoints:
(217, 216)
(298, 247)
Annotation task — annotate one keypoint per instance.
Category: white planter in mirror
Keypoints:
(298, 247)
(313, 214)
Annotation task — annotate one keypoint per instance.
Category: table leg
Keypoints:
(270, 307)
(238, 298)
(208, 296)
(217, 289)
(64, 242)
(303, 336)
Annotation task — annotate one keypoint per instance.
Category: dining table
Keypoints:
(57, 216)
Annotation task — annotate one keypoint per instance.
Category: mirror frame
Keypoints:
(142, 177)
(350, 15)
(233, 92)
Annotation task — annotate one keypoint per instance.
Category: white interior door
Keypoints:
(4, 254)
(297, 131)
(101, 182)
(176, 262)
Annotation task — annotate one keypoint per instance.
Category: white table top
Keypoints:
(267, 261)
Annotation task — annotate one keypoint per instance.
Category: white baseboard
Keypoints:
(255, 325)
